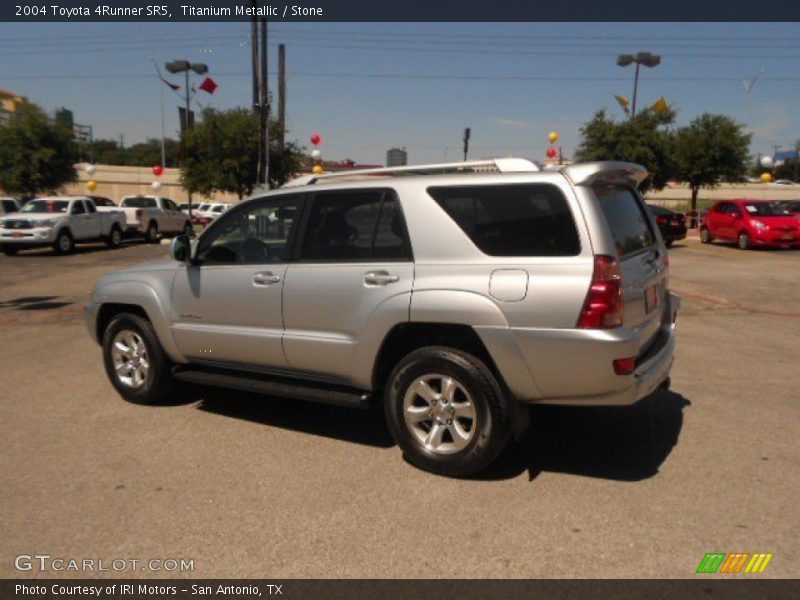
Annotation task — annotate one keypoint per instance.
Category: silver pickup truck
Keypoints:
(457, 294)
(59, 222)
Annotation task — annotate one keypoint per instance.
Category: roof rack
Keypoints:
(492, 165)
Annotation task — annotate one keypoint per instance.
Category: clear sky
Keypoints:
(369, 86)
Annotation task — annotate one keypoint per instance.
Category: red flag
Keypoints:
(208, 85)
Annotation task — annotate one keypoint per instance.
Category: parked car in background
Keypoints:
(751, 223)
(455, 300)
(153, 216)
(783, 182)
(59, 222)
(211, 213)
(793, 206)
(672, 225)
(8, 205)
(198, 209)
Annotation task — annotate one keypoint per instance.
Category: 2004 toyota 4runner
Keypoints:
(458, 293)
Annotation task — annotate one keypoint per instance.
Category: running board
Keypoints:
(285, 388)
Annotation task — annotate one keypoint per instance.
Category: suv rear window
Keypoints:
(626, 219)
(512, 220)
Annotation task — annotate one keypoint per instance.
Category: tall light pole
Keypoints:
(647, 59)
(184, 66)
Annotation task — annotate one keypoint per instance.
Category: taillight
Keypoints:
(661, 220)
(603, 306)
(138, 213)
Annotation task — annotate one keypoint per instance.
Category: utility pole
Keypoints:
(264, 106)
(282, 96)
(466, 142)
(254, 56)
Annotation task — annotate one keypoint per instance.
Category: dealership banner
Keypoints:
(386, 589)
(401, 11)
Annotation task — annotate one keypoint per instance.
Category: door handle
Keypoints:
(379, 278)
(265, 278)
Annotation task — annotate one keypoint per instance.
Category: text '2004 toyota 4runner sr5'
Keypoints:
(458, 293)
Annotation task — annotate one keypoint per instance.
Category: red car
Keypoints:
(751, 223)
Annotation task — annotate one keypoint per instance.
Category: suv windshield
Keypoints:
(46, 206)
(139, 202)
(767, 209)
(626, 219)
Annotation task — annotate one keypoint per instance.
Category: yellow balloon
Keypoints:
(317, 169)
(553, 137)
(92, 185)
(766, 177)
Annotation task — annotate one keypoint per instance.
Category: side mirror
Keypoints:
(181, 249)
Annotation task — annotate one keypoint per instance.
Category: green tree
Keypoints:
(221, 154)
(645, 139)
(710, 150)
(36, 155)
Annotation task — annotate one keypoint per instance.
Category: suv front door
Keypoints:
(354, 257)
(227, 306)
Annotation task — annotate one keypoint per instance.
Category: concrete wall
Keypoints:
(116, 181)
(679, 195)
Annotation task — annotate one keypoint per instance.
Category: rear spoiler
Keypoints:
(607, 172)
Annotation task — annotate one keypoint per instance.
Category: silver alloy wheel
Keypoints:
(152, 232)
(64, 243)
(116, 237)
(705, 236)
(440, 413)
(744, 241)
(131, 362)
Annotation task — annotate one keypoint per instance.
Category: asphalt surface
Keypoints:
(262, 487)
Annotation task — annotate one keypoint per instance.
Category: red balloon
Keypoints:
(316, 139)
(552, 152)
(158, 170)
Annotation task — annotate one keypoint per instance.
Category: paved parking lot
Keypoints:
(258, 487)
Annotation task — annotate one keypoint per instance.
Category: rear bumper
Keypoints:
(575, 366)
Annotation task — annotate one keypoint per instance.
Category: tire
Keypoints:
(483, 429)
(10, 250)
(188, 229)
(148, 376)
(705, 235)
(64, 243)
(152, 233)
(743, 241)
(114, 238)
(669, 243)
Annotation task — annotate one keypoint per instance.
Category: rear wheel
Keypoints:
(152, 233)
(114, 238)
(743, 241)
(446, 411)
(135, 362)
(669, 243)
(705, 236)
(64, 243)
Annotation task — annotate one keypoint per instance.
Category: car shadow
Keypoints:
(365, 427)
(619, 443)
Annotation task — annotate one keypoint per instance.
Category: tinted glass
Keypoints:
(46, 206)
(766, 209)
(658, 210)
(139, 202)
(344, 226)
(512, 220)
(391, 238)
(626, 220)
(90, 206)
(9, 206)
(256, 234)
(77, 208)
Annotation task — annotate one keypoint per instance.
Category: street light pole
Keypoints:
(635, 90)
(647, 59)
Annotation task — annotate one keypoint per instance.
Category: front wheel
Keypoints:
(743, 241)
(135, 362)
(446, 411)
(64, 243)
(152, 233)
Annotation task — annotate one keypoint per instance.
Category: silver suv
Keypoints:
(459, 294)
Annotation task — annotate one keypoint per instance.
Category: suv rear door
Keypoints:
(354, 257)
(641, 256)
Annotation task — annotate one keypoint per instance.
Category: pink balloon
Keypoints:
(158, 170)
(552, 152)
(316, 139)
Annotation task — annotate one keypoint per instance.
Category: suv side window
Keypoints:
(77, 208)
(356, 225)
(90, 206)
(512, 220)
(257, 233)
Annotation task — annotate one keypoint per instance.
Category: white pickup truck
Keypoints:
(59, 222)
(153, 216)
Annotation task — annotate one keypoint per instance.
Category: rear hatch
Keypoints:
(642, 260)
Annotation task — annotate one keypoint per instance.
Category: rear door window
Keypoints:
(626, 219)
(512, 220)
